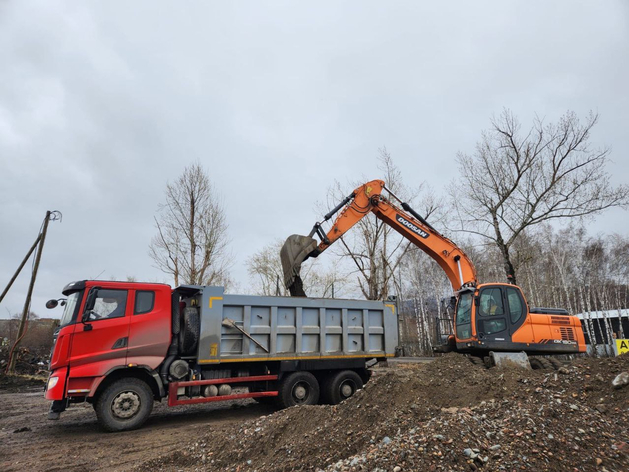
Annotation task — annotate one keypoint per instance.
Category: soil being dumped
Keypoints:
(447, 415)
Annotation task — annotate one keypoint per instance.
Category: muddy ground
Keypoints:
(446, 415)
(30, 442)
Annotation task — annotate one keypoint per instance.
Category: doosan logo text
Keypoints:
(412, 227)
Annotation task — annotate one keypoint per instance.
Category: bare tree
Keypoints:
(425, 285)
(191, 240)
(519, 179)
(373, 247)
(265, 272)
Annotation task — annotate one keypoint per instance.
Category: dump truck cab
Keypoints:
(107, 326)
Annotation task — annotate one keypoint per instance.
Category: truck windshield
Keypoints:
(71, 307)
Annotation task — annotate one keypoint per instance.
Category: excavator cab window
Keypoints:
(515, 305)
(491, 309)
(491, 302)
(464, 316)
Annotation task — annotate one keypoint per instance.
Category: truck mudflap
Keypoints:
(295, 250)
(55, 386)
(173, 389)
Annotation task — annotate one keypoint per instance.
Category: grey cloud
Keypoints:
(102, 103)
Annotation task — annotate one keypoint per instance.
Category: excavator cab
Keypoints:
(499, 310)
(496, 317)
(489, 314)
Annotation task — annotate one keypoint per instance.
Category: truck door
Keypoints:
(491, 319)
(150, 327)
(102, 340)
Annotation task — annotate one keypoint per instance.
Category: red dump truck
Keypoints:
(123, 345)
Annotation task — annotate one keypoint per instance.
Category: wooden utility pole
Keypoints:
(19, 269)
(27, 303)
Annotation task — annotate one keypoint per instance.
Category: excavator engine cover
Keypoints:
(295, 250)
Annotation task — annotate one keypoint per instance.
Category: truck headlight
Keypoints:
(52, 381)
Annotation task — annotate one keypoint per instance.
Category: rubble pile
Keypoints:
(448, 415)
(30, 368)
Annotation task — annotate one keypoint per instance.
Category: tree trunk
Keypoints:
(504, 251)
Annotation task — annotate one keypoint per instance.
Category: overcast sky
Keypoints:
(103, 103)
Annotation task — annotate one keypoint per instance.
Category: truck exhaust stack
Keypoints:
(294, 252)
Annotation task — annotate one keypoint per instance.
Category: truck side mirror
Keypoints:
(89, 303)
(53, 303)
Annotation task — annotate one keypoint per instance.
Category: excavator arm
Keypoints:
(367, 199)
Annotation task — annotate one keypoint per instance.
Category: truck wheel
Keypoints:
(341, 386)
(298, 388)
(124, 405)
(189, 335)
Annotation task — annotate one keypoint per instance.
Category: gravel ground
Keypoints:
(447, 415)
(30, 442)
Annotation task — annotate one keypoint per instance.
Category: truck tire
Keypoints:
(340, 386)
(189, 335)
(124, 405)
(298, 388)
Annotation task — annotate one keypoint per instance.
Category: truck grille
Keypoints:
(567, 334)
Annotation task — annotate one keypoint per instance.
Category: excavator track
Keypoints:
(536, 362)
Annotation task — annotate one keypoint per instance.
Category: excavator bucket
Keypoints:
(295, 251)
(509, 359)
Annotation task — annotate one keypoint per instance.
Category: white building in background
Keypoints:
(602, 328)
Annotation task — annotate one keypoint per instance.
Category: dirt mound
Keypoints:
(448, 415)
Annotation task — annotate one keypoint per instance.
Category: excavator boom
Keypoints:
(366, 199)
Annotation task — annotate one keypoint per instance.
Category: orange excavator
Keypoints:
(493, 323)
